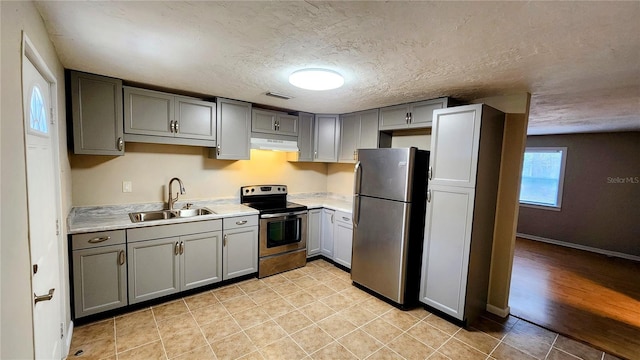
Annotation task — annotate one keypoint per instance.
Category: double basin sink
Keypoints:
(143, 216)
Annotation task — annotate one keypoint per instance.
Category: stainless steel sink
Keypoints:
(193, 212)
(167, 214)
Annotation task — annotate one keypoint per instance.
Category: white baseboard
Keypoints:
(579, 247)
(68, 340)
(503, 313)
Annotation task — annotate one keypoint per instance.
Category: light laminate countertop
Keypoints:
(116, 217)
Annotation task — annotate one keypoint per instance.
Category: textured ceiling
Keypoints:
(579, 60)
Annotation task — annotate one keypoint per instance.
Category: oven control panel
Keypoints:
(263, 190)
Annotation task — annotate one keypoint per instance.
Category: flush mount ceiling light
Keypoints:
(316, 79)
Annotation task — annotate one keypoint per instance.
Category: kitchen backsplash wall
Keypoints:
(97, 180)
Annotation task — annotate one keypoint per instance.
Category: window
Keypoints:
(543, 176)
(38, 118)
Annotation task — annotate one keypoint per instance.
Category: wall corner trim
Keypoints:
(503, 313)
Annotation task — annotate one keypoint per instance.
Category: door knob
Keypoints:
(38, 298)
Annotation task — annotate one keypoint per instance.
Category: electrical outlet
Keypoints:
(127, 187)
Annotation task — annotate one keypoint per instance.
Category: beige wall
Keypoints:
(16, 324)
(97, 180)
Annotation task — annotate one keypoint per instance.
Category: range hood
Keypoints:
(263, 143)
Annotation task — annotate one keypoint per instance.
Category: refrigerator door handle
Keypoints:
(358, 178)
(355, 218)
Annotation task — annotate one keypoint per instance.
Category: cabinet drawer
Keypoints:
(97, 239)
(343, 216)
(239, 221)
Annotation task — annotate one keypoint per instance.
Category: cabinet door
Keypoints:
(326, 234)
(445, 258)
(394, 117)
(327, 138)
(455, 138)
(287, 125)
(195, 119)
(343, 240)
(154, 269)
(240, 249)
(422, 112)
(314, 223)
(148, 112)
(201, 260)
(96, 107)
(99, 279)
(305, 137)
(349, 137)
(234, 129)
(263, 121)
(368, 130)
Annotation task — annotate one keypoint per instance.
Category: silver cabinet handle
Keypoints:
(218, 151)
(176, 126)
(241, 222)
(430, 172)
(121, 257)
(406, 118)
(97, 240)
(38, 298)
(410, 117)
(429, 196)
(172, 126)
(176, 249)
(224, 241)
(315, 154)
(181, 247)
(332, 217)
(120, 144)
(345, 218)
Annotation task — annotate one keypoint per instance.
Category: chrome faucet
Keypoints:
(172, 201)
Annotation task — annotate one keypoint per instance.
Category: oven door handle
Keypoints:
(271, 216)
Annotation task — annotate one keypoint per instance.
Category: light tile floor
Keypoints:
(310, 313)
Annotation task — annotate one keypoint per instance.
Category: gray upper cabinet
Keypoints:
(357, 131)
(99, 272)
(306, 123)
(272, 122)
(410, 116)
(157, 117)
(327, 138)
(234, 130)
(96, 110)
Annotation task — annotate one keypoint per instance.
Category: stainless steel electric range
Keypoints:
(283, 228)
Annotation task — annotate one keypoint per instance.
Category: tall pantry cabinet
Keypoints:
(464, 171)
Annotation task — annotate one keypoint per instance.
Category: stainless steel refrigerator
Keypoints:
(388, 222)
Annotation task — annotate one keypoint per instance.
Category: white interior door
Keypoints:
(42, 193)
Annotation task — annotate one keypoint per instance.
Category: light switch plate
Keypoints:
(127, 187)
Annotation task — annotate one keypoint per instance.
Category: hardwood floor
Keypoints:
(589, 297)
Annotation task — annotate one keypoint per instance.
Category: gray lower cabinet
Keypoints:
(357, 131)
(342, 239)
(326, 138)
(240, 246)
(166, 259)
(314, 221)
(99, 272)
(234, 130)
(157, 117)
(410, 116)
(327, 233)
(96, 110)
